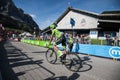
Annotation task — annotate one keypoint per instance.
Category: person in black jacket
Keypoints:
(1, 32)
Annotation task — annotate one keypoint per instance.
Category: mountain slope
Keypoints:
(13, 17)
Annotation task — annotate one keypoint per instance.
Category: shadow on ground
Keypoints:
(85, 66)
(11, 57)
(6, 70)
(74, 76)
(9, 54)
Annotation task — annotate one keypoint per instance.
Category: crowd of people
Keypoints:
(85, 39)
(112, 41)
(80, 38)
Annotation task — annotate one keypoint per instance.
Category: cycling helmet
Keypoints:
(52, 26)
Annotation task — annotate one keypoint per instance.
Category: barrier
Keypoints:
(37, 43)
(97, 50)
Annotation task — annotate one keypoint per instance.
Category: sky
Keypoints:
(46, 12)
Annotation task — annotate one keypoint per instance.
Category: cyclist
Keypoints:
(59, 39)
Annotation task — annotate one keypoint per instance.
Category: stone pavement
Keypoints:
(21, 61)
(15, 65)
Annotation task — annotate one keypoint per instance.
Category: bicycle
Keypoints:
(72, 61)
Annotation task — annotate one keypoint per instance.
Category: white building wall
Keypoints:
(81, 21)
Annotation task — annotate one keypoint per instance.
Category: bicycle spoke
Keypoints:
(51, 56)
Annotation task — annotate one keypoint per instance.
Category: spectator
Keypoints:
(81, 39)
(85, 39)
(1, 32)
(77, 38)
(74, 38)
(77, 42)
(45, 37)
(108, 39)
(38, 37)
(70, 42)
(1, 28)
(88, 40)
(116, 41)
(67, 38)
(41, 37)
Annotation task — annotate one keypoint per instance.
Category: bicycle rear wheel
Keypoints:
(73, 62)
(51, 56)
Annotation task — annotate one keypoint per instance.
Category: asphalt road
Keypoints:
(28, 62)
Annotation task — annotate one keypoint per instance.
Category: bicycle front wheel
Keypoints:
(51, 56)
(73, 62)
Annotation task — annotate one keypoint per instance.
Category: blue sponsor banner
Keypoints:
(98, 50)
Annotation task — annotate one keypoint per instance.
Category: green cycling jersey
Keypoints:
(56, 33)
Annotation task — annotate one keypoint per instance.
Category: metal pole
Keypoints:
(119, 33)
(119, 37)
(72, 30)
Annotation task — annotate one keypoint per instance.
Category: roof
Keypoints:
(111, 12)
(110, 16)
(74, 10)
(77, 11)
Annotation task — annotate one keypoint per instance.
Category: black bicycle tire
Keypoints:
(80, 62)
(53, 53)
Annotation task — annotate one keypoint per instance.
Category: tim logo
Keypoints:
(114, 52)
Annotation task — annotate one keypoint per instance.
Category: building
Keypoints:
(84, 22)
(109, 23)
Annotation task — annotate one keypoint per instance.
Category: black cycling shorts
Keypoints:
(62, 40)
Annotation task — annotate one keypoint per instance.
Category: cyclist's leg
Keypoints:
(63, 41)
(59, 41)
(59, 53)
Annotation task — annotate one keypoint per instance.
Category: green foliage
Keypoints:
(98, 41)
